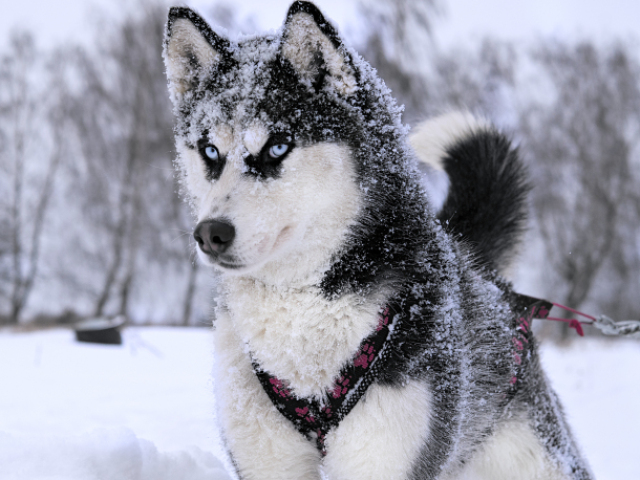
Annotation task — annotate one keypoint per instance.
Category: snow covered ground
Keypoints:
(145, 410)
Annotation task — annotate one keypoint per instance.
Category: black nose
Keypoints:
(214, 236)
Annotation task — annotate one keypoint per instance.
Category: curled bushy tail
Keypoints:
(487, 200)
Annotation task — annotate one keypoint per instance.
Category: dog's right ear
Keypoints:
(314, 48)
(191, 50)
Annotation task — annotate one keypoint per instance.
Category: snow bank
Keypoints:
(144, 410)
(115, 454)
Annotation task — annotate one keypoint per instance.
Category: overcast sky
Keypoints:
(464, 20)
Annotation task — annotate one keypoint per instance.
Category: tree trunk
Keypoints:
(16, 218)
(191, 289)
(125, 217)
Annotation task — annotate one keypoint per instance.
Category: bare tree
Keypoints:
(429, 80)
(582, 139)
(479, 79)
(124, 125)
(33, 120)
(135, 224)
(398, 42)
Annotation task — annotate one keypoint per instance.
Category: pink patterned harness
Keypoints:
(315, 418)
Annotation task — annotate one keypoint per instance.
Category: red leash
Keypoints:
(574, 322)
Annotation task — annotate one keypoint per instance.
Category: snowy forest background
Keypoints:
(90, 223)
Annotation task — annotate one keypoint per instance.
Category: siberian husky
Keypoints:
(359, 334)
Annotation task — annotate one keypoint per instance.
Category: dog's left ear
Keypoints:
(313, 47)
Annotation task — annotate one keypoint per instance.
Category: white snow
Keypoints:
(75, 411)
(598, 382)
(145, 410)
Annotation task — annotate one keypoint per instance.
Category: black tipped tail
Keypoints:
(487, 200)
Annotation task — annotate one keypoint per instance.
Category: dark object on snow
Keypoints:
(100, 330)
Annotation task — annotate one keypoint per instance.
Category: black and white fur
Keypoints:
(313, 242)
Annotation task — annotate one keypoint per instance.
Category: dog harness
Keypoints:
(315, 418)
(528, 308)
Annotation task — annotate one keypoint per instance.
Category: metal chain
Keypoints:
(607, 326)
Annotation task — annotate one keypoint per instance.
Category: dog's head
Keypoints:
(269, 136)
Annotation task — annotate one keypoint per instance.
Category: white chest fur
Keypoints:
(298, 335)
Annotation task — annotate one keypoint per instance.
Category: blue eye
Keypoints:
(211, 152)
(279, 150)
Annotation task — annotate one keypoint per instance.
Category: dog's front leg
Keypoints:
(263, 444)
(382, 437)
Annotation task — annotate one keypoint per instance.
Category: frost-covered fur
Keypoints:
(433, 137)
(293, 156)
(513, 451)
